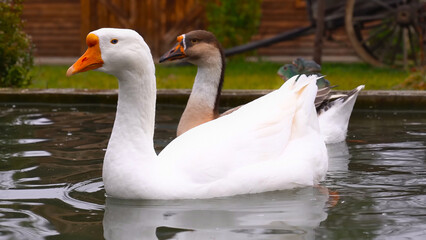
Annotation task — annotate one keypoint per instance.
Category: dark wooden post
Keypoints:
(319, 31)
(85, 6)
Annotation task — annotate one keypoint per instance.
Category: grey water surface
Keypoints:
(51, 186)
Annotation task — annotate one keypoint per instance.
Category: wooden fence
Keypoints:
(158, 21)
(283, 15)
(54, 26)
(59, 27)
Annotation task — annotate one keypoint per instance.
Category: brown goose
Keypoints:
(201, 48)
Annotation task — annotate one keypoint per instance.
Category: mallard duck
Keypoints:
(334, 110)
(258, 148)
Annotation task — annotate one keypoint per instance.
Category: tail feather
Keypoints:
(322, 95)
(306, 118)
(339, 99)
(334, 114)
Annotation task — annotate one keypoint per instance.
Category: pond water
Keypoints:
(51, 186)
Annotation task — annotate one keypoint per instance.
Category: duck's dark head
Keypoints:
(197, 47)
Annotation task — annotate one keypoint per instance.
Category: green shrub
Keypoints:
(233, 22)
(16, 59)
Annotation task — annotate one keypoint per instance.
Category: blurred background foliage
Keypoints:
(415, 81)
(16, 58)
(233, 22)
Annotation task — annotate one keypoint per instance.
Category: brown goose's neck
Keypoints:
(203, 103)
(220, 85)
(209, 80)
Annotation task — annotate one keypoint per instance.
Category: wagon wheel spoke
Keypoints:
(379, 42)
(413, 46)
(378, 29)
(369, 18)
(384, 5)
(373, 26)
(397, 47)
(384, 46)
(387, 32)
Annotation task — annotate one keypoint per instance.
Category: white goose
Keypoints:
(201, 48)
(270, 144)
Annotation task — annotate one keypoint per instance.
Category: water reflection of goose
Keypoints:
(290, 214)
(338, 157)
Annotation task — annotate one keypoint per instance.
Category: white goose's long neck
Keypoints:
(203, 102)
(133, 131)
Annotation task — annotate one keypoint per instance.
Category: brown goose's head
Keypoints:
(197, 47)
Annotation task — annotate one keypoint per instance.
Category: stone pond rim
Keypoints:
(367, 99)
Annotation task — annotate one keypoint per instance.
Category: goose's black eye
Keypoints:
(194, 40)
(114, 41)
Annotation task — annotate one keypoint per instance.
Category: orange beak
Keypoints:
(177, 52)
(90, 60)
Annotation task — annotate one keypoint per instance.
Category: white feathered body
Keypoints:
(272, 143)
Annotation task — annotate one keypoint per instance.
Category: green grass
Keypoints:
(47, 76)
(239, 75)
(349, 76)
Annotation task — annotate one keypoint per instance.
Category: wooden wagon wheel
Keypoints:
(387, 32)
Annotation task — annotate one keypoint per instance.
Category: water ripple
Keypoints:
(32, 120)
(24, 224)
(39, 153)
(51, 161)
(22, 141)
(63, 193)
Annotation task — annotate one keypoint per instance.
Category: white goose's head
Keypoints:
(198, 47)
(113, 50)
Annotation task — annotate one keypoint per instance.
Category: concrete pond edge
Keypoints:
(369, 99)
